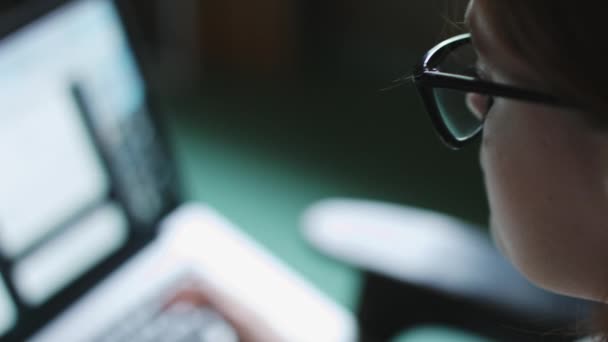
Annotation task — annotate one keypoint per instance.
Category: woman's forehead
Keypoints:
(494, 50)
(478, 28)
(490, 49)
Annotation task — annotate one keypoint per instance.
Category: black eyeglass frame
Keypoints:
(427, 78)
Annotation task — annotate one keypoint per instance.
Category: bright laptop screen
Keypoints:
(60, 214)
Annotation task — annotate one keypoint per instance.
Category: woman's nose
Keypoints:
(478, 104)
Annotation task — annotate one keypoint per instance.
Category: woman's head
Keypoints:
(546, 167)
(560, 40)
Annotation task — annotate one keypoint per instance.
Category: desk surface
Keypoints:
(262, 159)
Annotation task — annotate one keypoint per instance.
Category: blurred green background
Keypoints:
(272, 105)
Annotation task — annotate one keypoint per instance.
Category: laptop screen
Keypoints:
(82, 173)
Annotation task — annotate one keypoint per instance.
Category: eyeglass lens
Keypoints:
(461, 111)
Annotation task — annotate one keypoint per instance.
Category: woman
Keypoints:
(541, 106)
(539, 92)
(545, 150)
(546, 166)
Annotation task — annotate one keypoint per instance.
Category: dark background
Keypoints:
(306, 80)
(272, 105)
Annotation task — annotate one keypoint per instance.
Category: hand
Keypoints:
(249, 327)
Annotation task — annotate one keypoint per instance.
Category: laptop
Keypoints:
(93, 235)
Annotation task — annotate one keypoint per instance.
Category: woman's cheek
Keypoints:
(508, 157)
(545, 196)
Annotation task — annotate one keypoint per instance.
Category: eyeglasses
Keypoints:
(453, 91)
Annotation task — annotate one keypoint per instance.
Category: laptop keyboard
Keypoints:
(155, 321)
